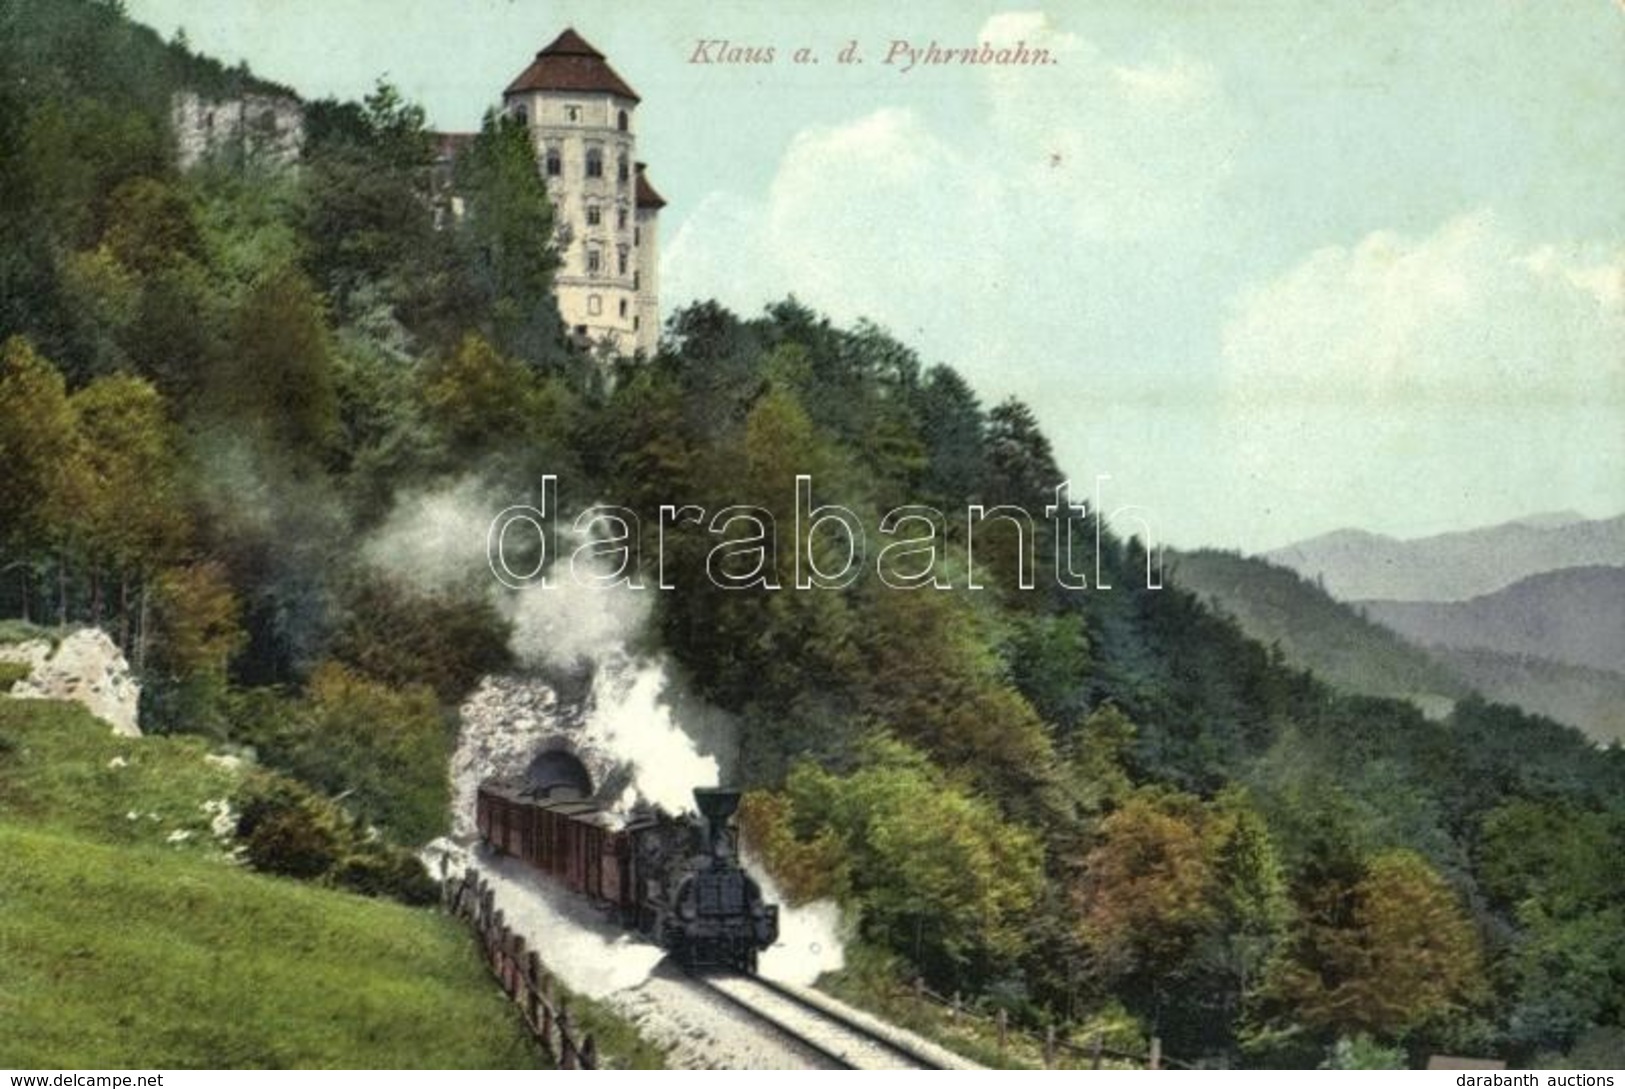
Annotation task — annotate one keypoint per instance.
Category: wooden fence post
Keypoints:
(1049, 1045)
(499, 943)
(547, 1013)
(1098, 1048)
(1004, 1028)
(520, 990)
(510, 966)
(953, 1010)
(522, 976)
(568, 1059)
(533, 998)
(1155, 1060)
(505, 962)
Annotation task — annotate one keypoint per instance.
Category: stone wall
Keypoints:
(253, 127)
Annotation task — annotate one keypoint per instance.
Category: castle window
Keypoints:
(623, 308)
(595, 163)
(621, 261)
(555, 162)
(637, 236)
(634, 323)
(635, 279)
(595, 305)
(572, 113)
(620, 219)
(620, 122)
(594, 216)
(595, 262)
(623, 171)
(521, 115)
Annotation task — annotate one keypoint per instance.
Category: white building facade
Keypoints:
(583, 121)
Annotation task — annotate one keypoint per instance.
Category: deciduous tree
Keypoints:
(1389, 955)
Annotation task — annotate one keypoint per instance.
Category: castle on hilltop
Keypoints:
(582, 120)
(581, 116)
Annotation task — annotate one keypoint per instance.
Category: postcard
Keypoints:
(1083, 535)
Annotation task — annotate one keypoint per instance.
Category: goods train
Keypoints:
(677, 880)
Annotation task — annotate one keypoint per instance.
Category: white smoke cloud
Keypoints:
(811, 936)
(435, 540)
(571, 624)
(633, 717)
(594, 957)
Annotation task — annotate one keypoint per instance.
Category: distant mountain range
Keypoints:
(1355, 565)
(1575, 615)
(1316, 631)
(1537, 644)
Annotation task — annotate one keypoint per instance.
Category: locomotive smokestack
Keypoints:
(716, 805)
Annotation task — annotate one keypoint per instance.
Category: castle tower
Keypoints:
(582, 119)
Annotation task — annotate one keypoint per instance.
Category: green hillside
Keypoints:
(127, 945)
(1592, 699)
(1314, 630)
(1343, 646)
(148, 957)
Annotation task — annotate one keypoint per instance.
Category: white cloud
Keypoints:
(854, 206)
(1115, 151)
(902, 217)
(1450, 377)
(1463, 316)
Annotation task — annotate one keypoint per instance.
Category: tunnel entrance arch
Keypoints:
(559, 774)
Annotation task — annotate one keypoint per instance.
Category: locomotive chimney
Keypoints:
(716, 805)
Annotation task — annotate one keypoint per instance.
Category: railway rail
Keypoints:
(839, 1038)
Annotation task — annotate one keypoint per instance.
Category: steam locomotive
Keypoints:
(676, 880)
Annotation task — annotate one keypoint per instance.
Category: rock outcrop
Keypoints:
(85, 667)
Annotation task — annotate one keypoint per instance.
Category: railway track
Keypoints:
(817, 1025)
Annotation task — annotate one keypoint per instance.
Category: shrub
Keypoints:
(385, 870)
(1363, 1053)
(404, 638)
(288, 829)
(383, 749)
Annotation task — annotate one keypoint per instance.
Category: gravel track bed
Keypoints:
(852, 1046)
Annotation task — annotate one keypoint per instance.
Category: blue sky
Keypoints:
(1275, 267)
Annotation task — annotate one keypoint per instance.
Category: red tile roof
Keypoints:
(647, 197)
(570, 64)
